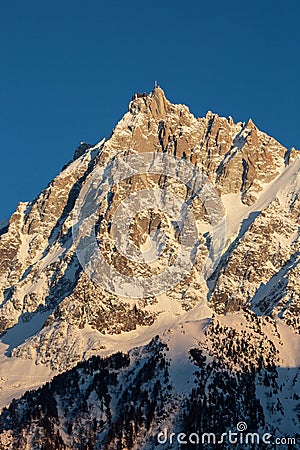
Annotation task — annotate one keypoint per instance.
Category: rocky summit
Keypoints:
(84, 366)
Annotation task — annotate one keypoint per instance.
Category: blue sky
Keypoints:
(69, 69)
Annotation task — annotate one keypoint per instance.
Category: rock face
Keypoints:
(54, 315)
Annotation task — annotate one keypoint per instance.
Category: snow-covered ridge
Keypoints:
(53, 316)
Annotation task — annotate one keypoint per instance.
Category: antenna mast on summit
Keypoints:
(155, 84)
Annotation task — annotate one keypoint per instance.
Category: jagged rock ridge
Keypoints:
(61, 317)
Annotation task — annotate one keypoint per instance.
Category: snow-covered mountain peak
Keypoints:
(229, 330)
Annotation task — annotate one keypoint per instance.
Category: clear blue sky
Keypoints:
(69, 69)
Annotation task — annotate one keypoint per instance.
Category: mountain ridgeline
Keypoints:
(85, 368)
